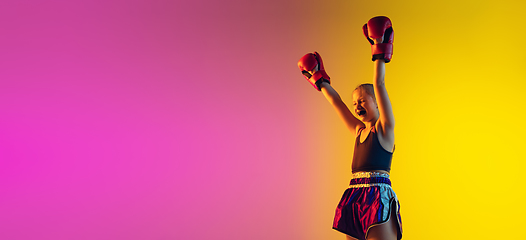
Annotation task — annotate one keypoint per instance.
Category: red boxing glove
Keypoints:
(379, 27)
(308, 63)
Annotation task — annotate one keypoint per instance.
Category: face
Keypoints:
(364, 106)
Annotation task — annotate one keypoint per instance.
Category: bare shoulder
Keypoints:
(359, 128)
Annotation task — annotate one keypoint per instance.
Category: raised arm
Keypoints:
(352, 123)
(311, 65)
(379, 33)
(386, 120)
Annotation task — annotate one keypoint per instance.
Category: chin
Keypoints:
(363, 120)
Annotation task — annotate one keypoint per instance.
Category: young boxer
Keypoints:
(369, 208)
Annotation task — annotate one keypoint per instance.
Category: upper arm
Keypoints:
(352, 123)
(386, 120)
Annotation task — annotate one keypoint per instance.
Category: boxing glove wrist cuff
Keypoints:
(319, 77)
(382, 51)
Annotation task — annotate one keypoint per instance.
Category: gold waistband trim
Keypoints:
(369, 185)
(369, 175)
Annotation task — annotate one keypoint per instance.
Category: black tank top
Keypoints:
(370, 155)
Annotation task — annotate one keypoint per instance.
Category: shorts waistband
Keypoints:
(368, 179)
(369, 175)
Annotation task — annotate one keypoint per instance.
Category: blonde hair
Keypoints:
(368, 88)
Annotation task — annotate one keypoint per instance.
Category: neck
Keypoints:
(370, 124)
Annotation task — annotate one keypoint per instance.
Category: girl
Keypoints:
(369, 208)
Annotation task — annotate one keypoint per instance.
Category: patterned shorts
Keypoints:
(367, 202)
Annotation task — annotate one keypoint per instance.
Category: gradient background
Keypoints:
(189, 119)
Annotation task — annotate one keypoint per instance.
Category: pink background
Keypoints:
(151, 120)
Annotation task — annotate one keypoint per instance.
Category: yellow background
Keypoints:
(457, 87)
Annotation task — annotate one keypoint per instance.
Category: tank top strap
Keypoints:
(360, 132)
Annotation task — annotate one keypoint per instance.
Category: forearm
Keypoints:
(379, 72)
(341, 108)
(330, 94)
